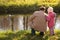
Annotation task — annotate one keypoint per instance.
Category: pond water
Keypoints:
(57, 25)
(21, 26)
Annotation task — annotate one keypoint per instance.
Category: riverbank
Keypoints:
(26, 35)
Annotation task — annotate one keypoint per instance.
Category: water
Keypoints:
(21, 26)
(57, 25)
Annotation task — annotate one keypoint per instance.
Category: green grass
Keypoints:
(26, 35)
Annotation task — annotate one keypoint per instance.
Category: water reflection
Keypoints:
(20, 22)
(57, 25)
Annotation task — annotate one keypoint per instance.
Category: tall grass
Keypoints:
(26, 35)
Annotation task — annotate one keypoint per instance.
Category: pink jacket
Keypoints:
(51, 19)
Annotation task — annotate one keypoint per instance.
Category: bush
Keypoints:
(23, 6)
(57, 8)
(21, 9)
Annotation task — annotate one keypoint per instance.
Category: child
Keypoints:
(51, 20)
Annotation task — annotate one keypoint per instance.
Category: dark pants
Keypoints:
(33, 32)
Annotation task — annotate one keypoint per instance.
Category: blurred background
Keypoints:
(14, 14)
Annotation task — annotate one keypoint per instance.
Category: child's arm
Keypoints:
(46, 15)
(47, 18)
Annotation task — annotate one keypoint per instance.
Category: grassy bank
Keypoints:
(25, 35)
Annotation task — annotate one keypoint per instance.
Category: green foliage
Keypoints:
(57, 8)
(21, 9)
(24, 6)
(26, 35)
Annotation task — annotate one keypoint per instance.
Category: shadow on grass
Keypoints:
(28, 36)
